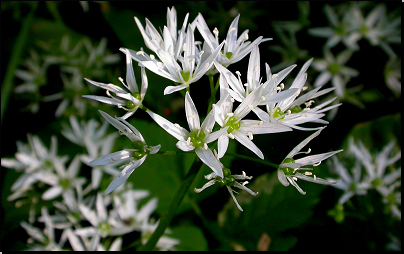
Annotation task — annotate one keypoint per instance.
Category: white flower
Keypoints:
(129, 101)
(239, 129)
(376, 165)
(392, 198)
(229, 181)
(198, 137)
(192, 67)
(137, 155)
(100, 222)
(334, 69)
(80, 243)
(392, 75)
(287, 170)
(64, 181)
(235, 48)
(47, 237)
(343, 30)
(289, 111)
(351, 185)
(129, 215)
(240, 91)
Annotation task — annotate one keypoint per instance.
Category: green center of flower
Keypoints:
(233, 124)
(104, 227)
(64, 183)
(377, 182)
(352, 187)
(229, 55)
(197, 138)
(340, 30)
(130, 105)
(227, 178)
(296, 109)
(278, 112)
(287, 170)
(364, 29)
(333, 68)
(140, 148)
(186, 75)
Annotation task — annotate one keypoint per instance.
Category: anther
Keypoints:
(260, 123)
(288, 112)
(232, 29)
(177, 126)
(308, 151)
(140, 53)
(189, 141)
(216, 32)
(256, 68)
(205, 146)
(198, 42)
(152, 57)
(317, 164)
(230, 135)
(246, 36)
(230, 114)
(250, 136)
(193, 116)
(246, 84)
(184, 47)
(308, 173)
(243, 173)
(201, 53)
(282, 85)
(314, 176)
(305, 88)
(232, 99)
(294, 178)
(274, 76)
(251, 107)
(263, 98)
(238, 73)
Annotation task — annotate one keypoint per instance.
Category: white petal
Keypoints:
(302, 144)
(111, 158)
(182, 145)
(245, 141)
(172, 89)
(313, 159)
(111, 101)
(222, 144)
(52, 193)
(177, 132)
(192, 114)
(210, 160)
(90, 215)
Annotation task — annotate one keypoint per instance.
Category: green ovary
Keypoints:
(296, 109)
(333, 68)
(278, 112)
(340, 30)
(228, 179)
(141, 151)
(233, 124)
(287, 170)
(197, 138)
(186, 75)
(64, 183)
(352, 187)
(229, 55)
(104, 227)
(377, 182)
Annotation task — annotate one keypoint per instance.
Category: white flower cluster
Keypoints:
(183, 60)
(85, 219)
(379, 173)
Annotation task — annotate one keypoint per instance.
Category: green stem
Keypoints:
(16, 53)
(254, 159)
(169, 215)
(212, 93)
(170, 152)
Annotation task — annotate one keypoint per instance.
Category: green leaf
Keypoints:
(192, 238)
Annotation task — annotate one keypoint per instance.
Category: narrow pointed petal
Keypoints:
(111, 158)
(210, 160)
(191, 113)
(245, 141)
(313, 159)
(302, 144)
(176, 131)
(234, 198)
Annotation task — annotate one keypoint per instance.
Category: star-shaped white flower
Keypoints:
(351, 185)
(192, 67)
(287, 170)
(235, 48)
(198, 137)
(129, 101)
(229, 180)
(137, 155)
(239, 129)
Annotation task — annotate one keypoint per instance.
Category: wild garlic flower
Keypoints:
(168, 41)
(192, 67)
(137, 155)
(239, 129)
(351, 185)
(240, 91)
(129, 101)
(289, 111)
(288, 169)
(80, 243)
(340, 30)
(334, 69)
(129, 214)
(64, 181)
(198, 137)
(45, 237)
(376, 165)
(100, 221)
(229, 181)
(392, 197)
(234, 48)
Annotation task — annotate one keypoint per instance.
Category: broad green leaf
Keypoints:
(191, 237)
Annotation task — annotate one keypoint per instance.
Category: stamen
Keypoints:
(216, 32)
(277, 88)
(261, 122)
(306, 109)
(250, 136)
(121, 79)
(305, 88)
(246, 36)
(294, 178)
(177, 126)
(201, 53)
(308, 151)
(232, 29)
(245, 183)
(314, 176)
(243, 173)
(246, 84)
(263, 98)
(230, 114)
(274, 76)
(317, 164)
(193, 116)
(205, 146)
(184, 47)
(140, 53)
(282, 85)
(288, 112)
(256, 68)
(230, 135)
(189, 141)
(250, 107)
(232, 99)
(294, 170)
(198, 42)
(308, 173)
(238, 73)
(108, 93)
(152, 57)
